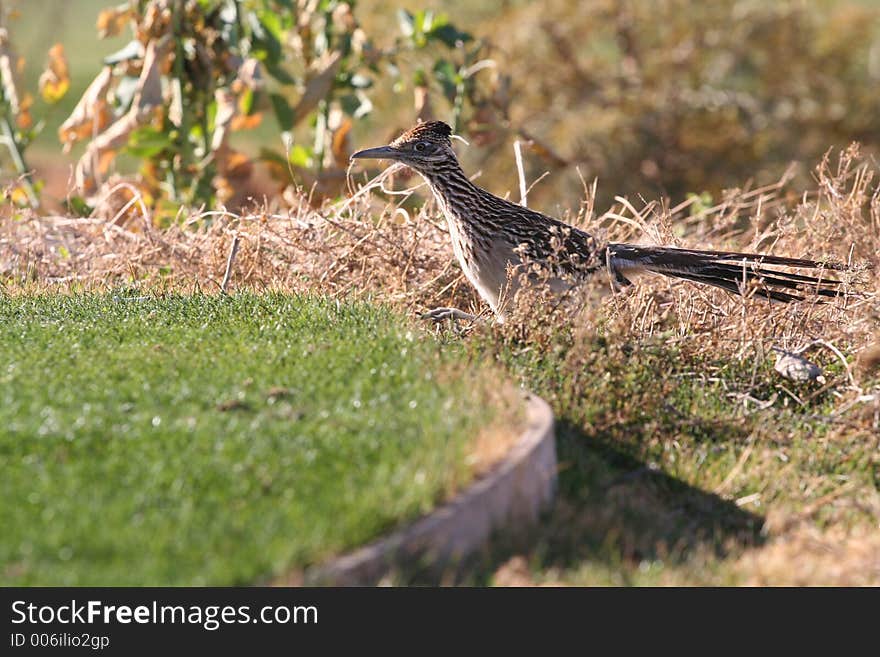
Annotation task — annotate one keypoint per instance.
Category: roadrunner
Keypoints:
(494, 238)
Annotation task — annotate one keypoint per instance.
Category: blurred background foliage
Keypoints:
(653, 98)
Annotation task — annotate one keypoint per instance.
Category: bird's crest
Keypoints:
(435, 131)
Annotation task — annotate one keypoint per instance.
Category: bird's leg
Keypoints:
(439, 314)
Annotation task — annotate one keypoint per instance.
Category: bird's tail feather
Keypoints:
(730, 270)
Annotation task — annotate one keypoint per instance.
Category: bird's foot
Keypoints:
(439, 314)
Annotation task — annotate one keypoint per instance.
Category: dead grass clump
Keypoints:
(810, 557)
(356, 248)
(493, 442)
(838, 221)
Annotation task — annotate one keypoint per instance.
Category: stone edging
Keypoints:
(514, 492)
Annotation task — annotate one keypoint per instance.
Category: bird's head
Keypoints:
(425, 148)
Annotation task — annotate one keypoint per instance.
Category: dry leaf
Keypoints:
(322, 73)
(340, 146)
(869, 359)
(250, 75)
(175, 109)
(343, 18)
(55, 80)
(95, 162)
(149, 89)
(23, 119)
(91, 114)
(234, 164)
(147, 101)
(7, 72)
(422, 103)
(223, 189)
(112, 21)
(248, 122)
(156, 21)
(226, 111)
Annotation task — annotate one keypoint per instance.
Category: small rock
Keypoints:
(869, 360)
(232, 405)
(797, 368)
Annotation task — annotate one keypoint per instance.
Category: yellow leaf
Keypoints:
(55, 80)
(19, 196)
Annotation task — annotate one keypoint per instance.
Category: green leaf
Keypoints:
(448, 77)
(425, 20)
(449, 35)
(283, 110)
(275, 69)
(300, 156)
(267, 34)
(268, 155)
(357, 104)
(246, 102)
(442, 30)
(148, 142)
(271, 22)
(349, 103)
(701, 202)
(77, 206)
(420, 78)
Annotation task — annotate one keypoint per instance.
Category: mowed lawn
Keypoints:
(192, 440)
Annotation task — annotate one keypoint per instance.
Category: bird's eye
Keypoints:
(421, 146)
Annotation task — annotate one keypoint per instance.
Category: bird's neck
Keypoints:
(454, 192)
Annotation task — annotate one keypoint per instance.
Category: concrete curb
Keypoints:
(513, 493)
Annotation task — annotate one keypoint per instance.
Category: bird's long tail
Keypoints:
(734, 272)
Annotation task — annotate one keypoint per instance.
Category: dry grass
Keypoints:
(366, 247)
(800, 462)
(354, 248)
(390, 251)
(838, 221)
(813, 557)
(494, 441)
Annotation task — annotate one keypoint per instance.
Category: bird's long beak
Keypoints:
(379, 153)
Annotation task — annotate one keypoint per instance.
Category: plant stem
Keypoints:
(18, 160)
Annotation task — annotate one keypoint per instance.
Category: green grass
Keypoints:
(214, 440)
